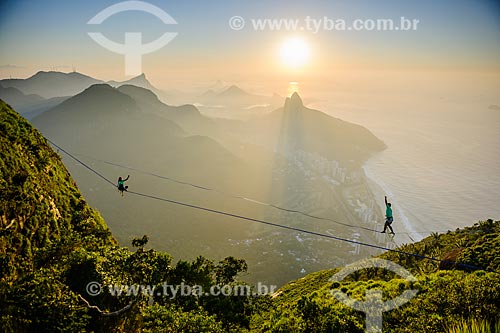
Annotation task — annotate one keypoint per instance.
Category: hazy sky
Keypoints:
(452, 35)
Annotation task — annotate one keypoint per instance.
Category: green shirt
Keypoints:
(388, 211)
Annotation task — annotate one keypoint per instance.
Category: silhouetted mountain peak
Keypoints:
(44, 73)
(296, 100)
(139, 94)
(95, 101)
(209, 93)
(17, 98)
(52, 84)
(233, 91)
(100, 87)
(56, 74)
(132, 88)
(293, 102)
(139, 79)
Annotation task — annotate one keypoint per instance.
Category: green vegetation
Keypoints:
(53, 244)
(445, 297)
(474, 326)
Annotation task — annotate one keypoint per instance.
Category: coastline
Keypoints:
(405, 231)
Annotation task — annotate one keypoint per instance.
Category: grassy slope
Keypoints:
(43, 218)
(40, 202)
(445, 296)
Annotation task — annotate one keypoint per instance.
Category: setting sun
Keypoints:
(213, 166)
(294, 52)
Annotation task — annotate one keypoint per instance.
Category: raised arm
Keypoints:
(129, 177)
(385, 198)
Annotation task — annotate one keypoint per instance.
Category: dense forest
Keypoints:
(53, 245)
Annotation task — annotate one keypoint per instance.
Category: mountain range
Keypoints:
(44, 90)
(16, 97)
(52, 84)
(102, 118)
(267, 159)
(235, 103)
(55, 250)
(290, 156)
(295, 127)
(47, 89)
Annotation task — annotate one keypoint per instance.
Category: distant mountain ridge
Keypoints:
(99, 108)
(294, 127)
(138, 81)
(233, 102)
(102, 118)
(333, 138)
(28, 105)
(52, 84)
(187, 116)
(57, 84)
(269, 159)
(233, 91)
(16, 97)
(56, 87)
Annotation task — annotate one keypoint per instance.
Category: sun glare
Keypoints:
(294, 52)
(293, 87)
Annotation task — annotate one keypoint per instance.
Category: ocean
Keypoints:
(441, 168)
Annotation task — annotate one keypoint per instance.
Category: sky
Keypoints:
(451, 36)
